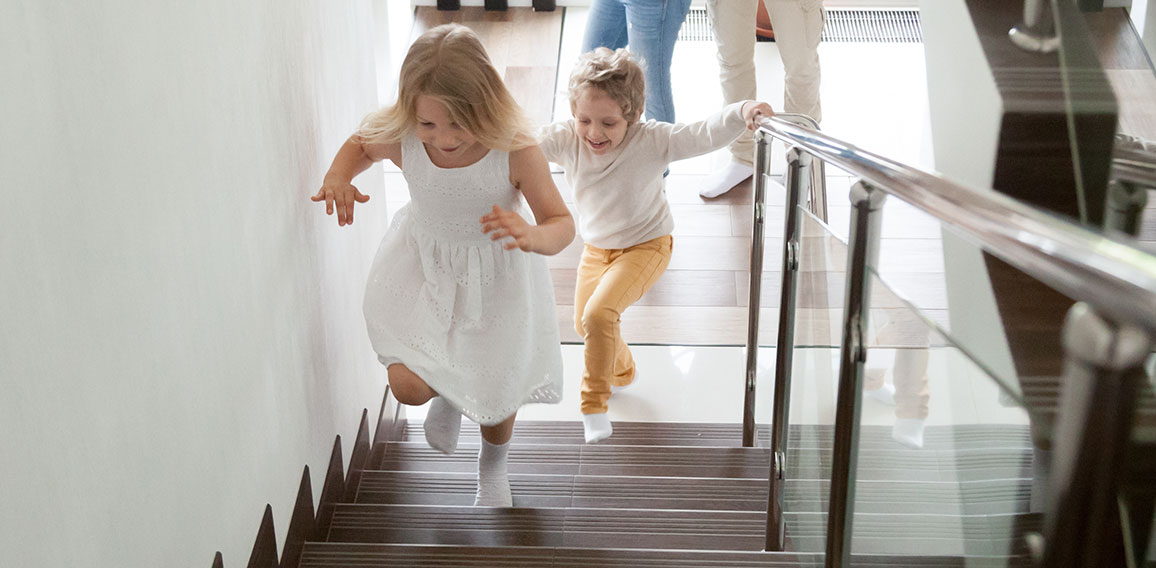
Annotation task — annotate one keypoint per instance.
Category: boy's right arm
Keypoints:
(714, 132)
(353, 158)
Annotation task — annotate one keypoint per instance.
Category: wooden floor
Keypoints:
(1128, 70)
(702, 298)
(523, 46)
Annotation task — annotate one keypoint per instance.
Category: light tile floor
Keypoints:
(706, 384)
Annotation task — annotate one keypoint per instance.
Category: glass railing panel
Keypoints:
(946, 461)
(918, 257)
(969, 484)
(929, 323)
(1105, 70)
(817, 333)
(986, 387)
(1007, 323)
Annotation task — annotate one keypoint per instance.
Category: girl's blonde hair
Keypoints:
(450, 64)
(617, 74)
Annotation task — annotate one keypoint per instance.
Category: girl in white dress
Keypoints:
(455, 308)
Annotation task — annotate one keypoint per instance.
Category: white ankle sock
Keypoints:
(614, 388)
(442, 425)
(722, 180)
(493, 476)
(597, 427)
(884, 394)
(909, 432)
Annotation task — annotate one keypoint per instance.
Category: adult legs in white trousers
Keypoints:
(734, 36)
(798, 27)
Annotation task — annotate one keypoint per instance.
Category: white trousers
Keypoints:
(798, 27)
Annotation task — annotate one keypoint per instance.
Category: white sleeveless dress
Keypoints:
(473, 320)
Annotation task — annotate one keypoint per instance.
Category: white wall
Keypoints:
(1144, 18)
(966, 110)
(180, 328)
(395, 21)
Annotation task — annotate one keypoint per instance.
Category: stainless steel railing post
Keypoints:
(863, 252)
(1038, 30)
(1103, 369)
(758, 228)
(1126, 202)
(798, 174)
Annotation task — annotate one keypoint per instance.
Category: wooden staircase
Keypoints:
(659, 494)
(654, 494)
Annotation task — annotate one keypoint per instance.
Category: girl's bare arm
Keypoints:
(354, 157)
(530, 173)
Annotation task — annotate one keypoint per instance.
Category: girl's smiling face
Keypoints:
(601, 124)
(443, 137)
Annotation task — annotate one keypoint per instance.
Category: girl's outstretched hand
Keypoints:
(344, 196)
(754, 112)
(500, 223)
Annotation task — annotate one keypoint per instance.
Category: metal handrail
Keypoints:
(1103, 270)
(817, 186)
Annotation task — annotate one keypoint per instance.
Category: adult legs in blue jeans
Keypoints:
(606, 25)
(650, 27)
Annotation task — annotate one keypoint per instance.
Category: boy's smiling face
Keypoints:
(600, 122)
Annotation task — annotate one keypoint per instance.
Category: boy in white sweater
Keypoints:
(615, 165)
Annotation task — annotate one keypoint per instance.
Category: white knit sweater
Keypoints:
(620, 196)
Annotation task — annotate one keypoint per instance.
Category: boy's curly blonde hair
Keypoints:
(450, 64)
(616, 73)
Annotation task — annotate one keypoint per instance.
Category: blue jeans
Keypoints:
(650, 27)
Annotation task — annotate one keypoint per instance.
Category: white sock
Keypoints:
(884, 394)
(493, 476)
(909, 432)
(721, 181)
(442, 425)
(597, 427)
(614, 388)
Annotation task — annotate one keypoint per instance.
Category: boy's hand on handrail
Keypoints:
(342, 194)
(754, 112)
(500, 223)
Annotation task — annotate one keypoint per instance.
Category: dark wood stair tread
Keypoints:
(1002, 496)
(549, 526)
(802, 436)
(543, 490)
(893, 464)
(951, 535)
(920, 534)
(986, 497)
(333, 555)
(592, 459)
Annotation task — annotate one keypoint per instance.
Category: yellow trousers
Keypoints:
(609, 281)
